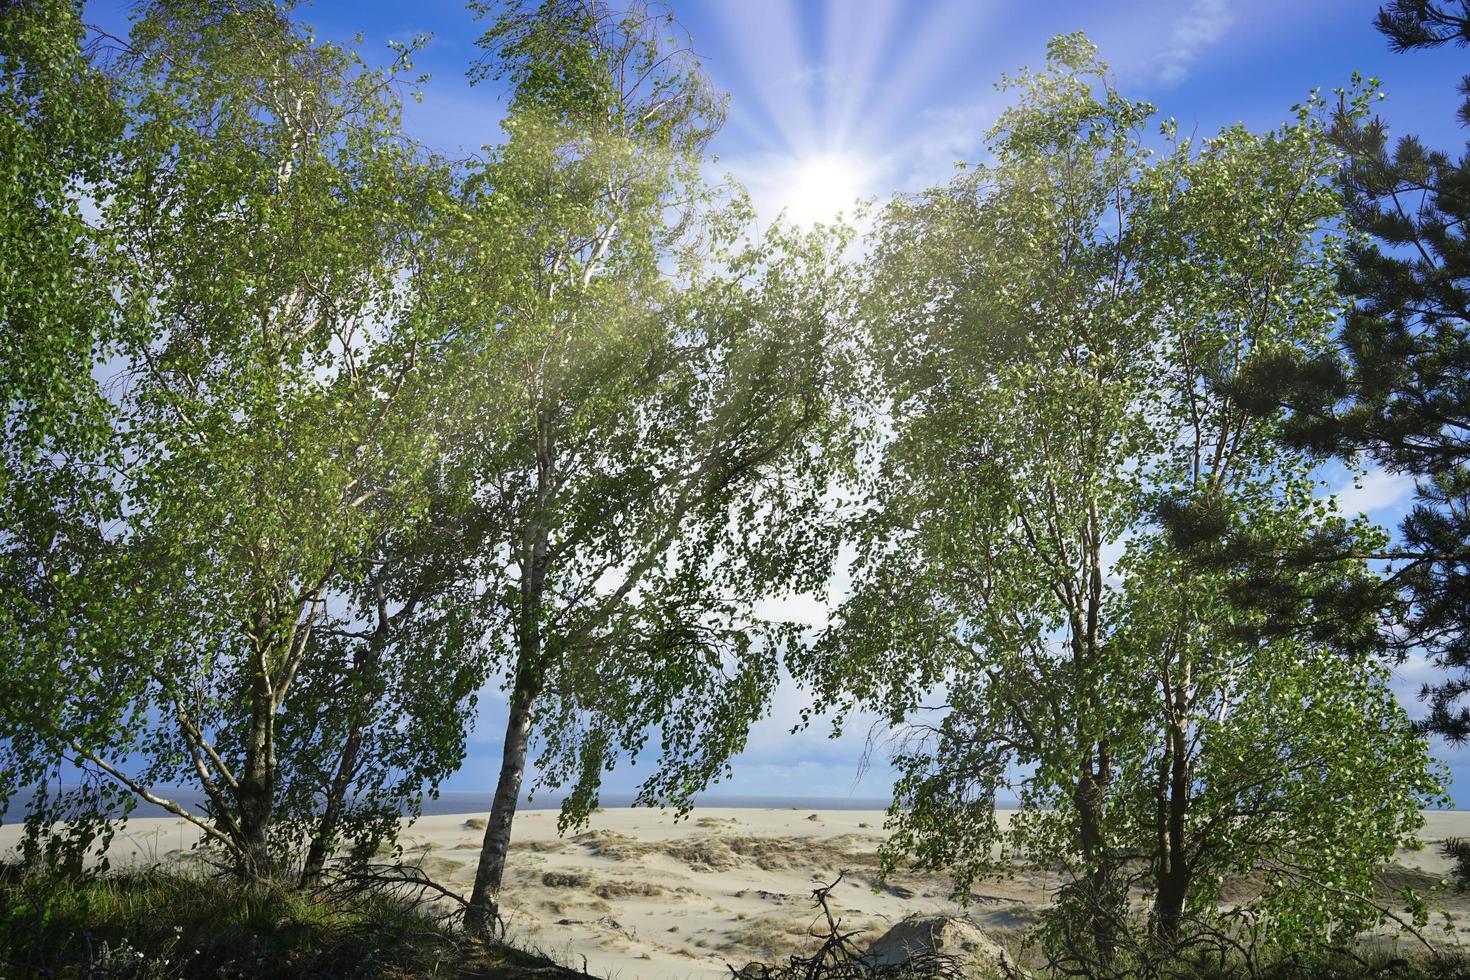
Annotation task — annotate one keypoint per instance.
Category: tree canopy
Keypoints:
(1044, 331)
(1393, 387)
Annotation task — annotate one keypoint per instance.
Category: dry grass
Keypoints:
(618, 889)
(773, 937)
(707, 852)
(714, 823)
(579, 905)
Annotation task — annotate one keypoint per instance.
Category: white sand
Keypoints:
(642, 895)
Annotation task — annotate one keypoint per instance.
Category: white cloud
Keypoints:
(1202, 25)
(945, 136)
(1374, 491)
(814, 78)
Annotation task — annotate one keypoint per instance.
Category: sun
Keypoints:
(819, 187)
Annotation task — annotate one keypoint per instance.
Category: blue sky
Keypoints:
(833, 98)
(903, 88)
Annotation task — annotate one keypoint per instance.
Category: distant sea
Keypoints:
(470, 803)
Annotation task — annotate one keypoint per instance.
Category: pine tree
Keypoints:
(1397, 389)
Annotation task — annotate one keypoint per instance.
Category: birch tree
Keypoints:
(271, 379)
(1045, 331)
(661, 464)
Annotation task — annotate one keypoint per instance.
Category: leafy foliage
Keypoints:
(310, 436)
(1394, 387)
(662, 424)
(1045, 331)
(264, 231)
(62, 121)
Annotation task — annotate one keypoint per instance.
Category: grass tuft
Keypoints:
(169, 925)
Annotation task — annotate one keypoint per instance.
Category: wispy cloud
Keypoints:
(1202, 25)
(943, 137)
(816, 77)
(1375, 490)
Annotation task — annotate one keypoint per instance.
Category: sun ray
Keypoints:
(856, 44)
(825, 88)
(934, 44)
(770, 54)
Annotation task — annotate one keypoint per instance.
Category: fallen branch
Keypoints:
(838, 958)
(407, 883)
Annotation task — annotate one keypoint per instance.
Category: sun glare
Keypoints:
(817, 188)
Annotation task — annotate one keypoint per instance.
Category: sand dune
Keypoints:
(640, 894)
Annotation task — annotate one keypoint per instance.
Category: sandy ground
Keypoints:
(639, 894)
